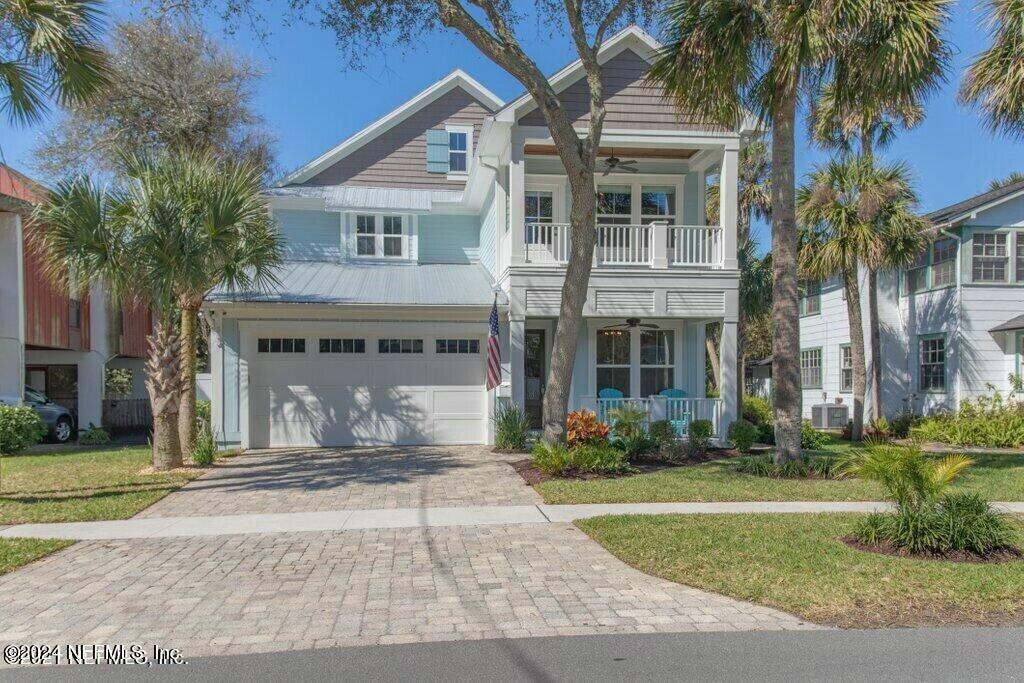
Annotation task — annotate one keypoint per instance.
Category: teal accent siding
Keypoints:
(309, 235)
(437, 151)
(489, 235)
(448, 239)
(231, 380)
(691, 199)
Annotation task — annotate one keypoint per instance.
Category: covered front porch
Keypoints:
(655, 364)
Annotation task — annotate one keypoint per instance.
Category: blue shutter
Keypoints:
(437, 151)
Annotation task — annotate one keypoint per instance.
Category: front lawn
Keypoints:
(798, 564)
(75, 486)
(997, 477)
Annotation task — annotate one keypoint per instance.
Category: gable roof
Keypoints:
(456, 79)
(980, 202)
(642, 42)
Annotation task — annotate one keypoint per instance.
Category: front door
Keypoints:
(536, 374)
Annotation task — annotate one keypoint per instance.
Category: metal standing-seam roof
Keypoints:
(358, 197)
(383, 284)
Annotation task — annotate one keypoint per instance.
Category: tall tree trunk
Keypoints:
(785, 304)
(860, 379)
(716, 366)
(876, 345)
(163, 382)
(574, 295)
(187, 405)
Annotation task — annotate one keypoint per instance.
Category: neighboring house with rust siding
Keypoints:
(400, 239)
(57, 343)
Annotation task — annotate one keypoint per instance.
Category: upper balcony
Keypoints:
(655, 245)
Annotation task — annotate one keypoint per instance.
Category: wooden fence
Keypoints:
(127, 414)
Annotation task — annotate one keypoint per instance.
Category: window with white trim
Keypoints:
(932, 376)
(280, 345)
(657, 361)
(382, 236)
(658, 203)
(539, 207)
(845, 367)
(366, 235)
(988, 257)
(457, 346)
(810, 368)
(457, 150)
(614, 205)
(392, 236)
(399, 346)
(613, 360)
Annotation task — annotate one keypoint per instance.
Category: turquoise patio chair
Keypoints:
(607, 392)
(681, 423)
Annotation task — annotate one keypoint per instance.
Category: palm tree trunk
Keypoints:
(574, 296)
(163, 382)
(187, 406)
(716, 366)
(860, 379)
(876, 345)
(785, 305)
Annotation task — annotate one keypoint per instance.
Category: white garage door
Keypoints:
(365, 390)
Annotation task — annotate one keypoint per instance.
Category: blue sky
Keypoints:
(311, 101)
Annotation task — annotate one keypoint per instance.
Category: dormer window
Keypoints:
(449, 151)
(457, 152)
(382, 236)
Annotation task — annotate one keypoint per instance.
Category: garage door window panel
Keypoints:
(400, 346)
(458, 346)
(342, 345)
(280, 345)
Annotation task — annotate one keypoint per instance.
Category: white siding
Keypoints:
(489, 235)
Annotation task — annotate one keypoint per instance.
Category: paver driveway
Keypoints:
(305, 480)
(275, 591)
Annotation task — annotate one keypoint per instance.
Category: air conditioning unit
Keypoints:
(830, 416)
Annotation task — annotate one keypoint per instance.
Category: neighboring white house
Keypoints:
(952, 325)
(400, 239)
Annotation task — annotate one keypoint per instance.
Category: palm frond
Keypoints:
(994, 83)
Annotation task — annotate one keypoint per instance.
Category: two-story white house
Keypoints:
(400, 239)
(951, 326)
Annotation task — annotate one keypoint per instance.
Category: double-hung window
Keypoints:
(810, 297)
(381, 236)
(845, 368)
(614, 205)
(810, 368)
(458, 150)
(989, 257)
(539, 209)
(613, 360)
(657, 366)
(932, 352)
(943, 263)
(1019, 261)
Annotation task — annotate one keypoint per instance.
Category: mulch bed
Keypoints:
(533, 476)
(886, 548)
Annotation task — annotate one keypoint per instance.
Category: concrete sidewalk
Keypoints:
(346, 520)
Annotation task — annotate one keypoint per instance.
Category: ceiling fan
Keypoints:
(613, 163)
(629, 324)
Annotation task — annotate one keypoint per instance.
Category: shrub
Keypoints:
(20, 427)
(582, 426)
(662, 432)
(743, 434)
(559, 460)
(94, 436)
(928, 518)
(901, 424)
(700, 432)
(764, 465)
(203, 413)
(511, 427)
(204, 450)
(811, 438)
(119, 382)
(627, 420)
(761, 465)
(756, 410)
(989, 422)
(766, 433)
(879, 428)
(637, 444)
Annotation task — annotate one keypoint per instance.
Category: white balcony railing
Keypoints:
(679, 411)
(630, 245)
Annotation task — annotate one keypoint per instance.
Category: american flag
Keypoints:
(493, 351)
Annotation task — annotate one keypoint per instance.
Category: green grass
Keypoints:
(995, 476)
(80, 486)
(798, 564)
(17, 552)
(75, 486)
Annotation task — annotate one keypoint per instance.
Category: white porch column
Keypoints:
(12, 309)
(516, 207)
(517, 357)
(728, 180)
(659, 241)
(727, 389)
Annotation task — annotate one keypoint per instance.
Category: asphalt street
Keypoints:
(904, 654)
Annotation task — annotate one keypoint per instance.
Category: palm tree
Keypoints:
(50, 48)
(841, 210)
(150, 239)
(724, 58)
(1012, 178)
(994, 83)
(869, 125)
